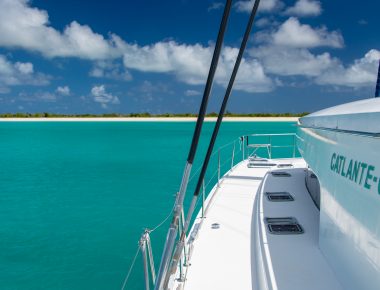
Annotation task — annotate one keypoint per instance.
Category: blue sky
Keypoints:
(153, 56)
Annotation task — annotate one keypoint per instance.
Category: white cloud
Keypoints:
(190, 63)
(19, 73)
(263, 22)
(251, 76)
(265, 5)
(24, 67)
(363, 72)
(294, 34)
(64, 91)
(287, 61)
(26, 27)
(101, 96)
(304, 8)
(190, 93)
(215, 6)
(284, 51)
(110, 70)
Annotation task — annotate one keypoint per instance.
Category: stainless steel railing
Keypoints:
(267, 143)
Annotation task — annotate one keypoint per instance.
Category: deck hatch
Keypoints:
(284, 226)
(283, 165)
(279, 196)
(280, 174)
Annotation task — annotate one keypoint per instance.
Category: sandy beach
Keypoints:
(153, 119)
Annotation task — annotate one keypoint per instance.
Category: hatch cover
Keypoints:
(284, 226)
(279, 196)
(280, 174)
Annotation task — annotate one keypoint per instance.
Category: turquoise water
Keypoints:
(75, 197)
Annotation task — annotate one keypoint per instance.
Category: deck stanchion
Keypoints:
(218, 166)
(233, 156)
(180, 233)
(203, 198)
(270, 147)
(242, 146)
(151, 258)
(145, 261)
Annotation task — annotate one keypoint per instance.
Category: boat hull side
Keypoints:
(348, 169)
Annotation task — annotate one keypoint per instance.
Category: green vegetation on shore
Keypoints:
(145, 115)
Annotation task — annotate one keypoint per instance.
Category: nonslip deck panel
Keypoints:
(221, 257)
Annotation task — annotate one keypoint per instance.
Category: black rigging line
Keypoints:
(210, 78)
(226, 97)
(377, 93)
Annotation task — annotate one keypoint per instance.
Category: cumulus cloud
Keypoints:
(190, 63)
(263, 22)
(24, 67)
(304, 8)
(215, 6)
(294, 61)
(100, 95)
(288, 51)
(285, 50)
(19, 73)
(321, 69)
(362, 72)
(190, 93)
(110, 70)
(26, 27)
(64, 91)
(265, 5)
(294, 34)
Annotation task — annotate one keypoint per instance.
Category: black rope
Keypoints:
(377, 93)
(226, 97)
(210, 78)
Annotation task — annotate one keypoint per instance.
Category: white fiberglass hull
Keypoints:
(341, 145)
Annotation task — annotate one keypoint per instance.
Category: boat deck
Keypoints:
(226, 244)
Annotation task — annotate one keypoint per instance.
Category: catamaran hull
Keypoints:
(346, 160)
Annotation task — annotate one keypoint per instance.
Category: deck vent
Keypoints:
(255, 158)
(260, 164)
(280, 174)
(279, 196)
(313, 175)
(284, 226)
(284, 165)
(257, 162)
(215, 226)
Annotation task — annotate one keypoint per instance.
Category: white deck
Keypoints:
(225, 258)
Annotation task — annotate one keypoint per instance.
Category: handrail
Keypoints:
(274, 134)
(269, 145)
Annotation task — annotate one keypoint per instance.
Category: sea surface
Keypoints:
(76, 196)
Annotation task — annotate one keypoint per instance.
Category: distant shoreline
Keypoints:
(151, 119)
